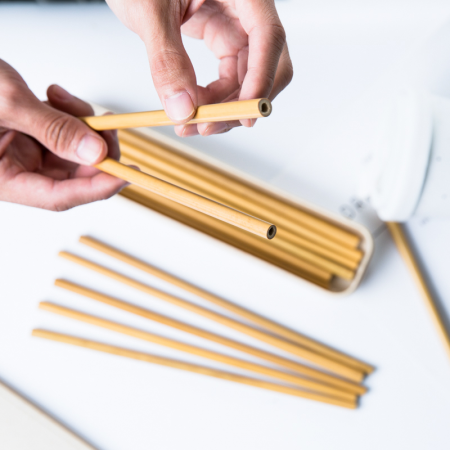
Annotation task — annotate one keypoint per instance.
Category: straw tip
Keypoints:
(265, 107)
(271, 232)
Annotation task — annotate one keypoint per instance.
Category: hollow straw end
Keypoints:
(265, 107)
(271, 232)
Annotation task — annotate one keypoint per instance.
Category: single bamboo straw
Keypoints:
(220, 112)
(288, 346)
(401, 241)
(172, 172)
(187, 198)
(198, 351)
(230, 306)
(229, 234)
(119, 351)
(298, 368)
(312, 226)
(309, 251)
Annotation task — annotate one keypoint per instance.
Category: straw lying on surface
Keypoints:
(401, 241)
(246, 109)
(198, 351)
(294, 366)
(288, 346)
(93, 345)
(232, 307)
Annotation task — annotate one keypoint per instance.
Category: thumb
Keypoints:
(63, 134)
(172, 71)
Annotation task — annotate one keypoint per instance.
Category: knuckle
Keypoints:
(59, 133)
(278, 36)
(10, 95)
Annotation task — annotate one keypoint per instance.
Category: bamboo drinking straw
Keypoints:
(232, 235)
(401, 241)
(220, 112)
(288, 346)
(309, 251)
(120, 351)
(187, 198)
(294, 366)
(313, 226)
(198, 351)
(230, 306)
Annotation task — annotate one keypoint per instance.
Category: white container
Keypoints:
(409, 174)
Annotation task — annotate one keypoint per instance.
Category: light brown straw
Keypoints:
(198, 351)
(220, 112)
(290, 364)
(187, 198)
(230, 306)
(288, 346)
(401, 241)
(119, 351)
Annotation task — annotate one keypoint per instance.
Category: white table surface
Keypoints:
(311, 146)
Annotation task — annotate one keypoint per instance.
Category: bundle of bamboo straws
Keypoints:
(336, 379)
(305, 244)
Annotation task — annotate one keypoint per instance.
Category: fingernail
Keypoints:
(179, 107)
(61, 93)
(90, 149)
(215, 128)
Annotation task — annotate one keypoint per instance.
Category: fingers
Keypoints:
(172, 71)
(215, 92)
(61, 133)
(62, 100)
(33, 189)
(267, 41)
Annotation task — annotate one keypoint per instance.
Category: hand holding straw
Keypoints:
(220, 112)
(401, 241)
(120, 351)
(209, 113)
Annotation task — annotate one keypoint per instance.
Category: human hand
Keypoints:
(245, 35)
(46, 153)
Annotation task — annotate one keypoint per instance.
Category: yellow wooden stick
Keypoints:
(119, 351)
(187, 198)
(295, 349)
(220, 112)
(198, 351)
(264, 322)
(294, 366)
(401, 241)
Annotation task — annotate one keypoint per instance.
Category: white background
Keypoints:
(343, 54)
